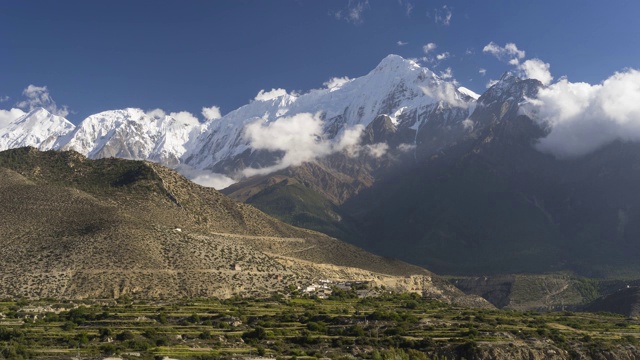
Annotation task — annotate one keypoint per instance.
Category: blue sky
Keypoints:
(183, 55)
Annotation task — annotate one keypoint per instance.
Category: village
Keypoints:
(324, 288)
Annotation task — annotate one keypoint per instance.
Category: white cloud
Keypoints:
(205, 178)
(443, 15)
(4, 99)
(350, 140)
(446, 74)
(429, 47)
(211, 113)
(214, 180)
(401, 43)
(584, 117)
(445, 92)
(7, 116)
(185, 117)
(336, 82)
(482, 71)
(530, 69)
(270, 95)
(536, 69)
(353, 12)
(468, 124)
(510, 51)
(39, 97)
(156, 114)
(406, 147)
(443, 56)
(299, 137)
(408, 9)
(377, 150)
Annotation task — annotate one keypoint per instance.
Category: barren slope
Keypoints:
(76, 228)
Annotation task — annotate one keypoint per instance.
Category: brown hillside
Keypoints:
(76, 228)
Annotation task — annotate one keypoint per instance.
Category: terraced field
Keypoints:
(393, 326)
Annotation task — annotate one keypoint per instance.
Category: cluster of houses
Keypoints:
(324, 288)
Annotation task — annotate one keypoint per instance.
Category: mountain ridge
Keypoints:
(76, 228)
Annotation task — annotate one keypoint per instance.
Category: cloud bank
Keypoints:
(300, 138)
(584, 117)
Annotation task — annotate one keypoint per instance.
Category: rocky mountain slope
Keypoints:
(76, 228)
(484, 201)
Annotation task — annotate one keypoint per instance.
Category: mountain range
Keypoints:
(401, 162)
(396, 86)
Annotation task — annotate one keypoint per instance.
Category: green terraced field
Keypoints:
(398, 326)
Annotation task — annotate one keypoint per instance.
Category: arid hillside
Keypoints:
(77, 228)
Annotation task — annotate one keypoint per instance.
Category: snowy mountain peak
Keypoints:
(132, 134)
(394, 62)
(38, 128)
(397, 87)
(508, 77)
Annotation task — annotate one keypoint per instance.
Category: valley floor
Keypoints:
(392, 326)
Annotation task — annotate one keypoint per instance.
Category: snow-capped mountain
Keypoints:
(409, 94)
(37, 128)
(413, 99)
(131, 134)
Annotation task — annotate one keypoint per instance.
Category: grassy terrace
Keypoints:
(399, 326)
